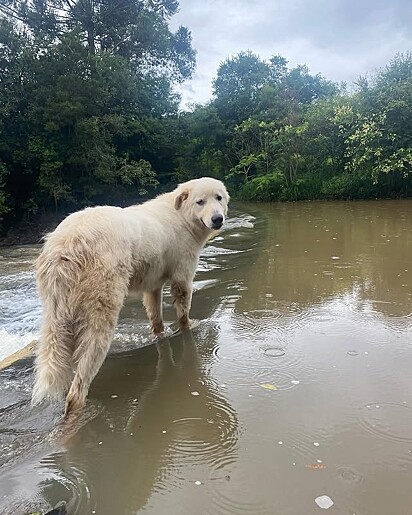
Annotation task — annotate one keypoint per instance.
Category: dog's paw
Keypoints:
(192, 323)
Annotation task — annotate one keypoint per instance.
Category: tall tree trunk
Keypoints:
(90, 40)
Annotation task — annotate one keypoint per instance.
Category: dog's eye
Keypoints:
(200, 202)
(218, 198)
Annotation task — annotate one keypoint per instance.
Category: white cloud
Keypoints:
(341, 39)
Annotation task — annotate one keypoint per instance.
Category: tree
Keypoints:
(85, 88)
(202, 149)
(237, 84)
(135, 29)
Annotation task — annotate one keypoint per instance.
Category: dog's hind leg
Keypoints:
(95, 327)
(93, 345)
(153, 303)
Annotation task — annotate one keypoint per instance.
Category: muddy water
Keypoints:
(296, 384)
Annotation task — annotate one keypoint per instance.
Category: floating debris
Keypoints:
(315, 466)
(324, 502)
(316, 444)
(295, 381)
(268, 386)
(198, 483)
(114, 396)
(195, 394)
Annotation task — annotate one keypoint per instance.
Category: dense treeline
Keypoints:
(89, 113)
(282, 134)
(87, 105)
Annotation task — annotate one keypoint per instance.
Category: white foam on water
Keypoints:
(11, 343)
(20, 311)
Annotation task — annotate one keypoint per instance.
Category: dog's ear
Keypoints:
(180, 199)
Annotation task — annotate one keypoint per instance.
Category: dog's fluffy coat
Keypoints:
(89, 262)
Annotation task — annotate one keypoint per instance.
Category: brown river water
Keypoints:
(296, 384)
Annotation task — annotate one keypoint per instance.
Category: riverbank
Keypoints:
(30, 232)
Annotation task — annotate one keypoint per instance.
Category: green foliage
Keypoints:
(349, 186)
(238, 82)
(4, 208)
(324, 142)
(87, 100)
(266, 188)
(141, 172)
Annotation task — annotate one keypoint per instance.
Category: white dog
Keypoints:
(91, 260)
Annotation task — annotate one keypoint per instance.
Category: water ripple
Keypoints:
(387, 420)
(212, 440)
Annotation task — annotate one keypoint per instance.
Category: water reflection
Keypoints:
(163, 419)
(159, 422)
(316, 251)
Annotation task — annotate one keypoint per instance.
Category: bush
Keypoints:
(349, 186)
(265, 188)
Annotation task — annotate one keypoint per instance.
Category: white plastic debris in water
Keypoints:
(295, 381)
(198, 483)
(114, 396)
(324, 502)
(316, 444)
(195, 394)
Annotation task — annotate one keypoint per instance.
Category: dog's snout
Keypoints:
(217, 221)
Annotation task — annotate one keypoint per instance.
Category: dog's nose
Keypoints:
(217, 221)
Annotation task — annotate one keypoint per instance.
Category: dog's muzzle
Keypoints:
(217, 221)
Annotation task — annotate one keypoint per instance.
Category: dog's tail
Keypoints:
(53, 362)
(57, 275)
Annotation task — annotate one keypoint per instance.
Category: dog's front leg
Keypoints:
(182, 298)
(153, 303)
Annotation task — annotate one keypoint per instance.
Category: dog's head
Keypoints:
(204, 200)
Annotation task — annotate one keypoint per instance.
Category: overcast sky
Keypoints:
(341, 39)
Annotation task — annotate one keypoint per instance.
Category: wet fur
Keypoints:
(92, 259)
